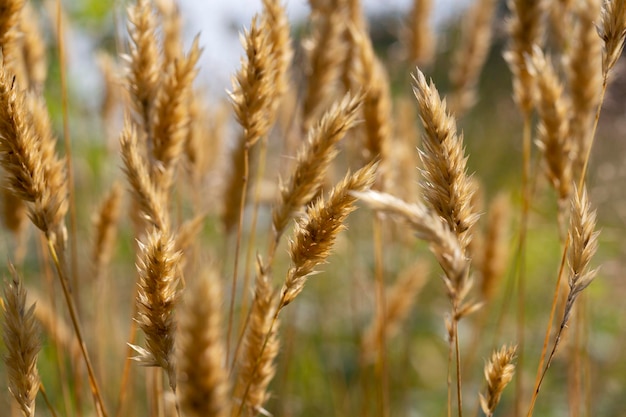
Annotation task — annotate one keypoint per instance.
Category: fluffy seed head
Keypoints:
(499, 372)
(21, 338)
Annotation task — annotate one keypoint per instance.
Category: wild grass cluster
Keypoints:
(337, 234)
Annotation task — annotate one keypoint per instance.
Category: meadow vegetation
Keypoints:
(339, 235)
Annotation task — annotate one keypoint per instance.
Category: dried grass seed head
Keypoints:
(315, 234)
(612, 31)
(499, 371)
(159, 275)
(446, 186)
(253, 92)
(21, 338)
(314, 158)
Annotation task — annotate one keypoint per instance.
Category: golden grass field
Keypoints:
(338, 234)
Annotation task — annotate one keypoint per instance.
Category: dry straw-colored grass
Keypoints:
(320, 126)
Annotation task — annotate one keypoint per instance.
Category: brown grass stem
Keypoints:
(457, 350)
(583, 173)
(379, 278)
(93, 383)
(521, 257)
(68, 155)
(125, 383)
(546, 340)
(260, 172)
(242, 207)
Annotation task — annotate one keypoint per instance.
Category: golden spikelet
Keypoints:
(172, 116)
(553, 127)
(315, 234)
(499, 372)
(145, 194)
(253, 92)
(105, 225)
(158, 267)
(584, 244)
(526, 29)
(9, 20)
(325, 49)
(471, 54)
(419, 36)
(144, 64)
(584, 75)
(612, 31)
(261, 344)
(371, 77)
(313, 160)
(495, 246)
(21, 338)
(275, 20)
(33, 171)
(171, 22)
(202, 379)
(33, 49)
(446, 186)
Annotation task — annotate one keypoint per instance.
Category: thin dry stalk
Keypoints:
(399, 301)
(21, 338)
(451, 256)
(158, 267)
(202, 379)
(469, 58)
(315, 234)
(499, 372)
(445, 184)
(584, 243)
(144, 66)
(313, 160)
(257, 367)
(419, 35)
(526, 27)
